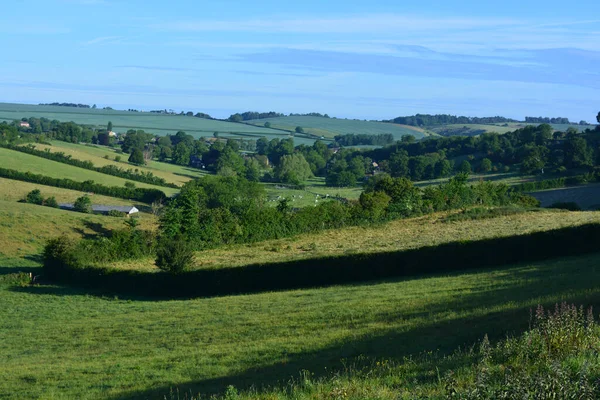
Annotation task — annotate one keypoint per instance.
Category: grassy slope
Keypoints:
(396, 235)
(500, 128)
(37, 165)
(329, 127)
(96, 154)
(61, 343)
(124, 120)
(24, 228)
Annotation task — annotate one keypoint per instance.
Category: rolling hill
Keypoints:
(330, 127)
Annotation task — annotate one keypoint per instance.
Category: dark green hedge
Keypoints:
(61, 265)
(139, 194)
(107, 169)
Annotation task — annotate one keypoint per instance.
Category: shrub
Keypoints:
(174, 255)
(137, 157)
(34, 197)
(118, 158)
(51, 202)
(115, 213)
(566, 205)
(83, 204)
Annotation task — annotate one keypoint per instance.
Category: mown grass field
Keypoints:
(125, 120)
(25, 162)
(96, 154)
(330, 127)
(25, 228)
(64, 343)
(393, 236)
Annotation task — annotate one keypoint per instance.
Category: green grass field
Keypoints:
(96, 154)
(64, 343)
(330, 127)
(25, 162)
(25, 228)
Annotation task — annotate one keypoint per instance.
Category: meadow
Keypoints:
(501, 128)
(77, 344)
(24, 162)
(330, 127)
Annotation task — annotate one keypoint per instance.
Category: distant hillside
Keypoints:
(331, 127)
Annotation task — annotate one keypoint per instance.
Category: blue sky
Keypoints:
(358, 59)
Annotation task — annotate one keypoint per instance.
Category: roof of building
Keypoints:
(103, 208)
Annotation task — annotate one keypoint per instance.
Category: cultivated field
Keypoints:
(74, 344)
(330, 127)
(125, 120)
(25, 162)
(476, 129)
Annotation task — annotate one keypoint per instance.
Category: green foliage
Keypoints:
(175, 255)
(147, 177)
(83, 204)
(51, 202)
(34, 197)
(293, 169)
(140, 194)
(137, 157)
(115, 213)
(465, 167)
(485, 165)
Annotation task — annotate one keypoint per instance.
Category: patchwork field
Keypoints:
(96, 154)
(25, 162)
(125, 120)
(330, 127)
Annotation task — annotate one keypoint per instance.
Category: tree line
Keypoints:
(141, 176)
(144, 195)
(443, 119)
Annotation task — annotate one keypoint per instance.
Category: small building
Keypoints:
(24, 124)
(102, 209)
(112, 134)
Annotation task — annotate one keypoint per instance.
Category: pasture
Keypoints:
(330, 127)
(25, 228)
(476, 129)
(37, 165)
(77, 344)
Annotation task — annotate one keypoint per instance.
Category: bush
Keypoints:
(566, 205)
(115, 213)
(118, 158)
(174, 255)
(51, 202)
(83, 204)
(34, 197)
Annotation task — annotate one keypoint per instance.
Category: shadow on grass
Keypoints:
(441, 338)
